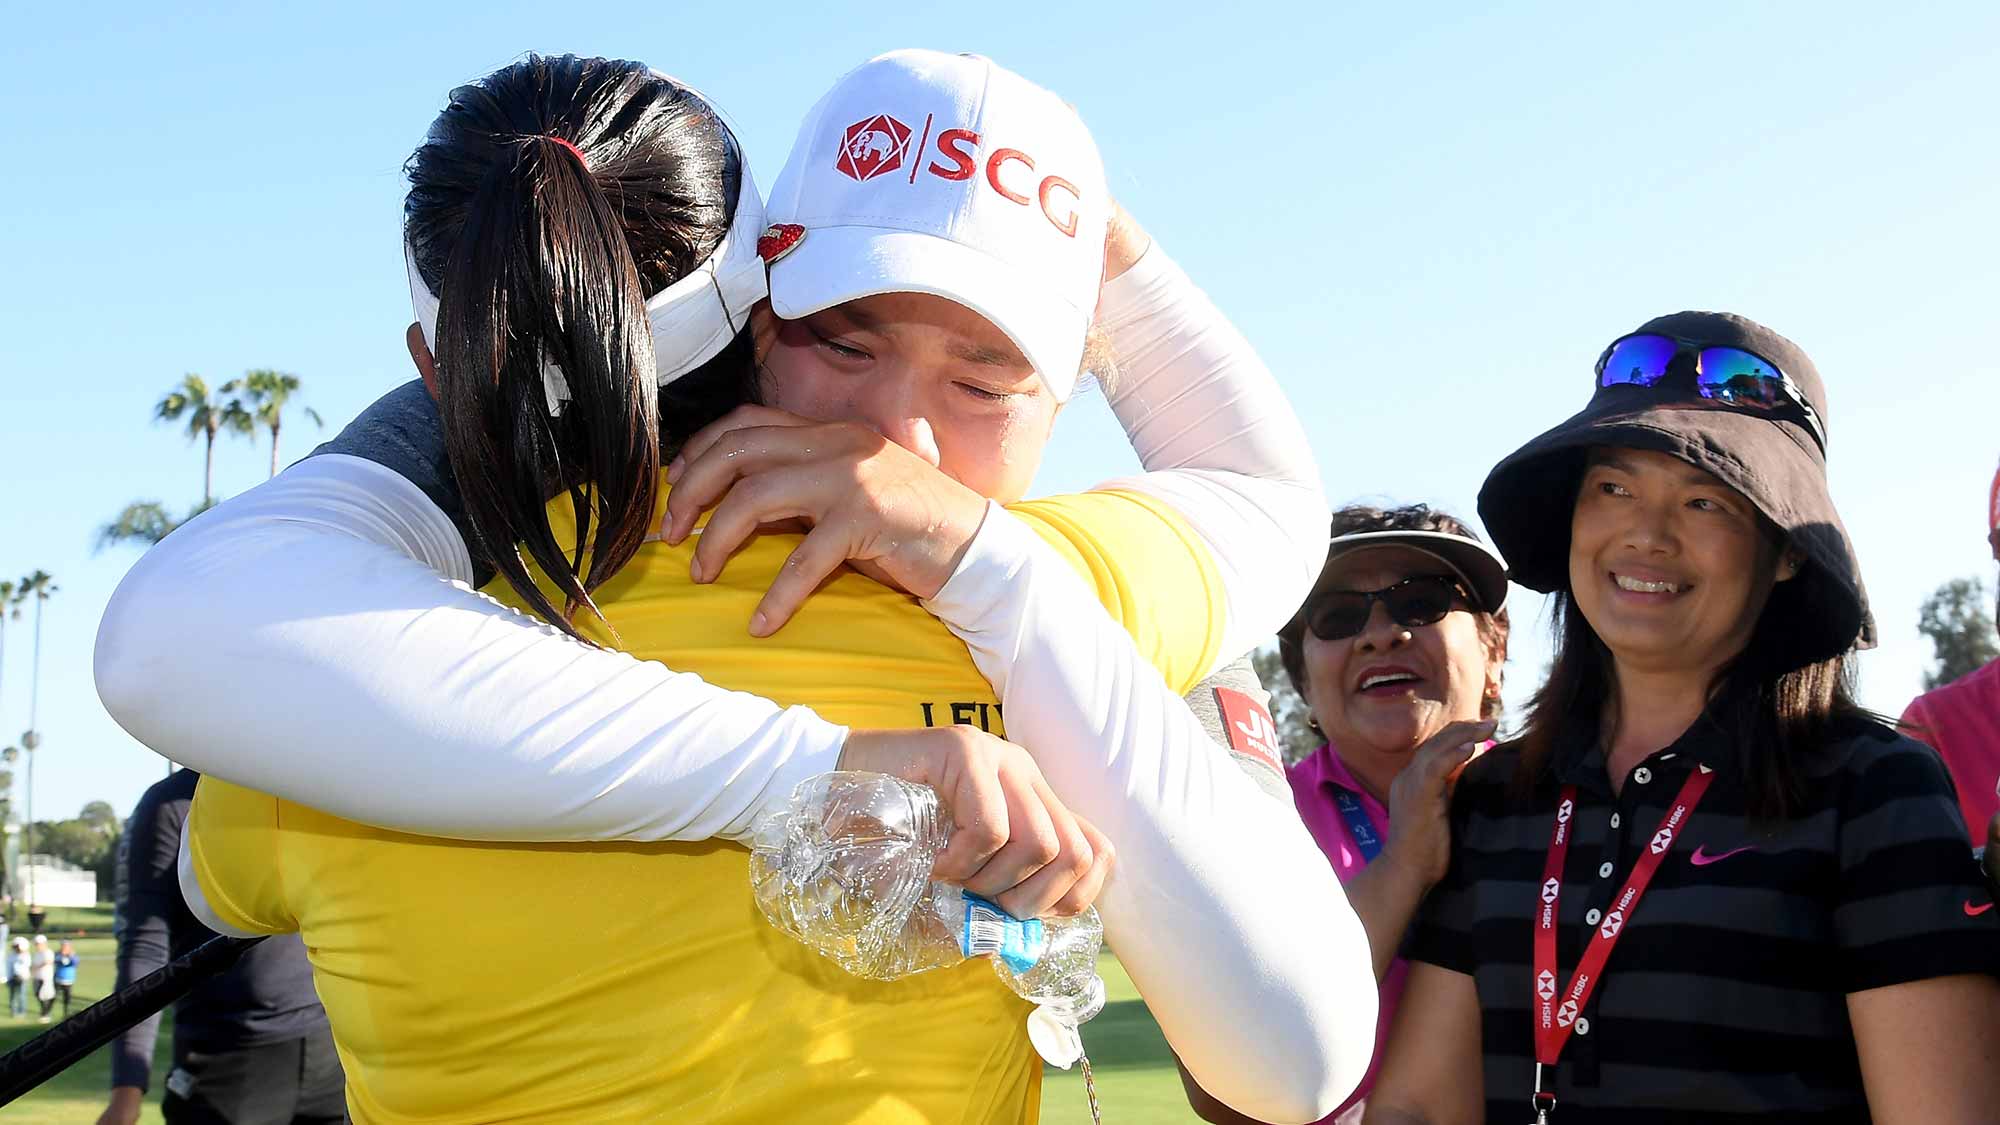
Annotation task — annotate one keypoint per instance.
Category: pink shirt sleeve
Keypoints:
(1961, 721)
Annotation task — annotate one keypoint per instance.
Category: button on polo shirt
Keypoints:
(1726, 994)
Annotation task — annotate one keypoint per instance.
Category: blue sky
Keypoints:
(1429, 224)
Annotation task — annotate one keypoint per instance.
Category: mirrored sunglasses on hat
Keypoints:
(1421, 599)
(1730, 377)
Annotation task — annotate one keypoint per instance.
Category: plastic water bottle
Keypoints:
(845, 868)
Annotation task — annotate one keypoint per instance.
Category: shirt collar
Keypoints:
(1331, 772)
(1579, 757)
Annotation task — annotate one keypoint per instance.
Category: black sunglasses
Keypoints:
(1421, 599)
(1732, 377)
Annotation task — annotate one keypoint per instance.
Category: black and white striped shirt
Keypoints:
(1725, 998)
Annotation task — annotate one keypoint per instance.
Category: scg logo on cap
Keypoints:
(876, 145)
(873, 146)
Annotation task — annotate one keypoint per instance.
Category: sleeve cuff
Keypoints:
(987, 582)
(197, 901)
(816, 744)
(1924, 957)
(1444, 951)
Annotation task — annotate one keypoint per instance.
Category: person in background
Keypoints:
(19, 969)
(251, 1045)
(1961, 720)
(45, 976)
(1398, 654)
(66, 974)
(1703, 885)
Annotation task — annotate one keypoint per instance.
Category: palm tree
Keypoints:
(267, 393)
(10, 606)
(142, 521)
(37, 586)
(7, 758)
(206, 416)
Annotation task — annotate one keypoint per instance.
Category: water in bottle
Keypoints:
(845, 868)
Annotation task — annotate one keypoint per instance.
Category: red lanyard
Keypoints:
(1554, 1020)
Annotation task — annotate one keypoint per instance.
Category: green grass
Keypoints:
(1136, 1079)
(79, 1094)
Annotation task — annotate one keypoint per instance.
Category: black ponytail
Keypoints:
(549, 201)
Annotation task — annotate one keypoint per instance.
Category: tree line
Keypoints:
(88, 840)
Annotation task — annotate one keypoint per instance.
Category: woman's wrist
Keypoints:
(1408, 872)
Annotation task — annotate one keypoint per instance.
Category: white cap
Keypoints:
(926, 172)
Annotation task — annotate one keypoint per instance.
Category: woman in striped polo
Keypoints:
(1703, 884)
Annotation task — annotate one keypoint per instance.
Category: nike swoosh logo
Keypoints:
(1703, 859)
(1972, 911)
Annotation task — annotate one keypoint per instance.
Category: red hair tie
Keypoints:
(573, 150)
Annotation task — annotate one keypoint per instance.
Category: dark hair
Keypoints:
(1778, 712)
(548, 201)
(1355, 518)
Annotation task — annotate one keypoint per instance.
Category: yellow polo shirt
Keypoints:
(626, 982)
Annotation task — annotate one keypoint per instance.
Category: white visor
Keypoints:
(691, 320)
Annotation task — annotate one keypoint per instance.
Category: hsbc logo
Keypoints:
(1563, 812)
(872, 147)
(1545, 985)
(1549, 891)
(1613, 922)
(1566, 1014)
(1662, 840)
(876, 146)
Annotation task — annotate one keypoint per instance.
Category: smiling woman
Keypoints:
(1398, 652)
(1820, 950)
(1691, 609)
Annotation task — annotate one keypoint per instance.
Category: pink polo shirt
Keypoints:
(1314, 782)
(1962, 721)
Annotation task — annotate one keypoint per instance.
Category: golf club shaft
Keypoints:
(48, 1054)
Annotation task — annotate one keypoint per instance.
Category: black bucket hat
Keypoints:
(1772, 459)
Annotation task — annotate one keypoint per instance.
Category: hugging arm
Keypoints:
(1219, 443)
(326, 620)
(1220, 906)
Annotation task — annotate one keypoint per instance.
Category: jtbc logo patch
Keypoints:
(878, 145)
(1613, 922)
(1249, 727)
(873, 147)
(1545, 985)
(1549, 891)
(1662, 840)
